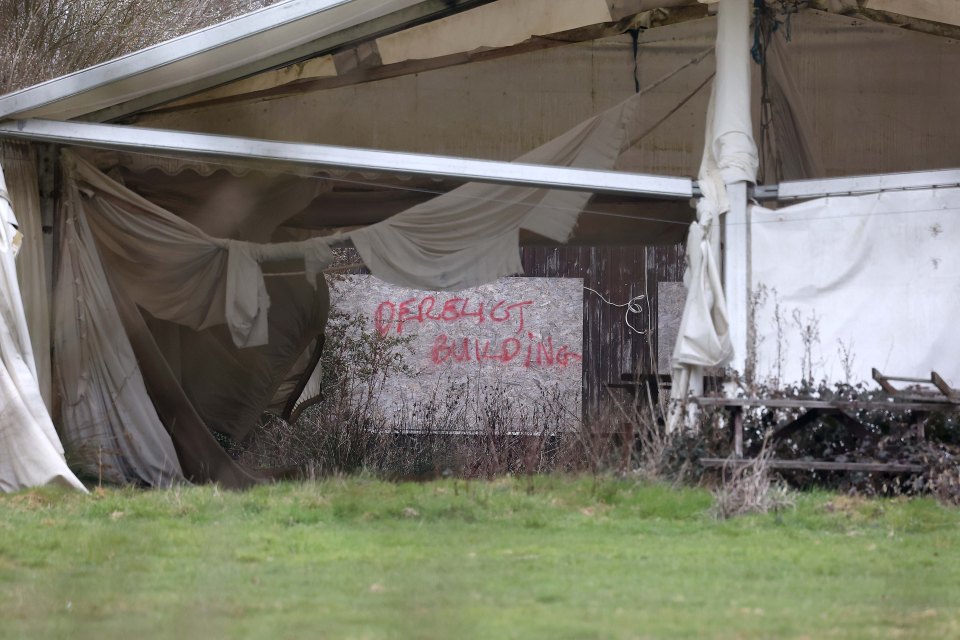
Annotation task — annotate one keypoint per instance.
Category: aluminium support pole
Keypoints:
(736, 278)
(733, 105)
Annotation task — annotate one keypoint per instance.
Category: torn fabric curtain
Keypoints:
(147, 411)
(179, 273)
(108, 420)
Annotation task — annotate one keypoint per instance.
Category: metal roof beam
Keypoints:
(857, 185)
(144, 140)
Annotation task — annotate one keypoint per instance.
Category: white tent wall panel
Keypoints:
(19, 165)
(848, 284)
(499, 24)
(30, 450)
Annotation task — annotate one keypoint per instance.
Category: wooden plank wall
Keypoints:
(610, 348)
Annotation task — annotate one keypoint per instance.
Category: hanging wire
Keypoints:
(632, 306)
(635, 41)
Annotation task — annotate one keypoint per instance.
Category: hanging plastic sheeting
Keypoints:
(470, 235)
(852, 283)
(729, 156)
(30, 451)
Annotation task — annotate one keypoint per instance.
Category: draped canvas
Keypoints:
(215, 384)
(470, 235)
(107, 418)
(729, 156)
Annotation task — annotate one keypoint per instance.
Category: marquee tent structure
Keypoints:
(197, 188)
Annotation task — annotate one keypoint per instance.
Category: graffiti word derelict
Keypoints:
(394, 316)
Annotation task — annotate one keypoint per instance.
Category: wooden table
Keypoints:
(814, 410)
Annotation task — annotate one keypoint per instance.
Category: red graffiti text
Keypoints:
(394, 316)
(528, 353)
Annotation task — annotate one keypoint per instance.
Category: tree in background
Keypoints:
(43, 39)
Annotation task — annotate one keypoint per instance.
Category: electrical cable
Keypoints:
(632, 306)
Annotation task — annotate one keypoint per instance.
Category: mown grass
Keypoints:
(547, 557)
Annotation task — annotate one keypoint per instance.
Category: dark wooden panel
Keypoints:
(610, 347)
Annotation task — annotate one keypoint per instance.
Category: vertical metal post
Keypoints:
(736, 275)
(733, 146)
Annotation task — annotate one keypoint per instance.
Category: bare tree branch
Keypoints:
(43, 39)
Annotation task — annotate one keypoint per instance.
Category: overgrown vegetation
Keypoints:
(869, 429)
(751, 488)
(440, 437)
(472, 432)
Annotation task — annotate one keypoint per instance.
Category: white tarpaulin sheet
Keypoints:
(858, 282)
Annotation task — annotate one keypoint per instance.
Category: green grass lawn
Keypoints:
(549, 557)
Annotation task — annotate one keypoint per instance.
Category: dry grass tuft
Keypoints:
(750, 488)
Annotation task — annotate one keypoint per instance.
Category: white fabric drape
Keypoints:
(470, 235)
(455, 241)
(30, 450)
(108, 418)
(731, 143)
(179, 273)
(124, 407)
